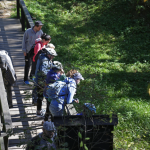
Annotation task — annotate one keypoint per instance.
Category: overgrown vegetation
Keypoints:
(108, 41)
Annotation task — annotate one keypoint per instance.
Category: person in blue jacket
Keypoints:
(53, 75)
(66, 94)
(44, 64)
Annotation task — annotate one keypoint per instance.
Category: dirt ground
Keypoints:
(6, 8)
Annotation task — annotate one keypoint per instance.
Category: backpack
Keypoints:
(9, 75)
(31, 52)
(55, 88)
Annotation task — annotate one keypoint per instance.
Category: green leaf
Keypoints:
(87, 138)
(79, 134)
(85, 147)
(81, 144)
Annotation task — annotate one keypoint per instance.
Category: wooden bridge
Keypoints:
(25, 123)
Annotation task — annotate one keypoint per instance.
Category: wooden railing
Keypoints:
(5, 118)
(25, 17)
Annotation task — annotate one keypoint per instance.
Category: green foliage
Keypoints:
(80, 135)
(108, 42)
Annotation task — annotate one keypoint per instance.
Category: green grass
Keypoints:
(108, 41)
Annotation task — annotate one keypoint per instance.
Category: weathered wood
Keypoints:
(18, 13)
(26, 15)
(4, 105)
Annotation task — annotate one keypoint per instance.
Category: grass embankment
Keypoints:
(108, 41)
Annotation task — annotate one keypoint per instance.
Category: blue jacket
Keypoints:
(52, 76)
(66, 93)
(44, 64)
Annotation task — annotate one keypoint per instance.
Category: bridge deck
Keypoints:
(24, 120)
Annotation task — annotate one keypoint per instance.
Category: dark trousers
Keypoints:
(28, 61)
(40, 97)
(34, 65)
(47, 111)
(33, 68)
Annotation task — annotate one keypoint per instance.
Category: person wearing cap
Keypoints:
(66, 94)
(29, 38)
(44, 140)
(40, 43)
(54, 74)
(34, 93)
(44, 64)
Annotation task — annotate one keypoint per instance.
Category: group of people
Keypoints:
(45, 74)
(50, 81)
(45, 71)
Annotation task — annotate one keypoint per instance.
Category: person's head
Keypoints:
(45, 38)
(49, 129)
(57, 67)
(71, 73)
(50, 45)
(78, 77)
(51, 53)
(75, 75)
(38, 25)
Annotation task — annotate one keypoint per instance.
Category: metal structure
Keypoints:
(5, 117)
(77, 131)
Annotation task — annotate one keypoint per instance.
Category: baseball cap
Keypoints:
(78, 76)
(49, 126)
(39, 23)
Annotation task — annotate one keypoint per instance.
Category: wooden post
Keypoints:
(18, 12)
(22, 20)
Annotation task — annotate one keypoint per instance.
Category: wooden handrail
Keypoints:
(5, 117)
(25, 18)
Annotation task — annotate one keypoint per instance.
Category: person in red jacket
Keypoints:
(39, 45)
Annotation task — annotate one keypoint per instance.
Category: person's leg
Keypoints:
(34, 96)
(39, 99)
(47, 111)
(33, 68)
(9, 95)
(32, 72)
(27, 67)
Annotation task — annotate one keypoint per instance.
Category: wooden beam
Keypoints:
(27, 14)
(4, 105)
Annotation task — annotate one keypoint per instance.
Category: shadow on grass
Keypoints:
(116, 18)
(131, 85)
(119, 19)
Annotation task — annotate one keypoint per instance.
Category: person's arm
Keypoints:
(71, 94)
(24, 41)
(36, 49)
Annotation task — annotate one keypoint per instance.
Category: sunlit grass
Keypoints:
(108, 42)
